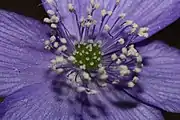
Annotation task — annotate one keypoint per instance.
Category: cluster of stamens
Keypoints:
(87, 59)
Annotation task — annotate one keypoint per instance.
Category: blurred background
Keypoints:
(33, 8)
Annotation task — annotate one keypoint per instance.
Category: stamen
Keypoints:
(131, 84)
(71, 7)
(53, 26)
(121, 41)
(143, 32)
(122, 15)
(50, 1)
(86, 76)
(47, 20)
(118, 61)
(63, 40)
(107, 27)
(122, 56)
(50, 12)
(114, 57)
(128, 22)
(103, 12)
(137, 70)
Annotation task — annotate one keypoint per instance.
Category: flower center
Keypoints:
(107, 54)
(87, 55)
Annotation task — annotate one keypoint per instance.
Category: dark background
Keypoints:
(33, 8)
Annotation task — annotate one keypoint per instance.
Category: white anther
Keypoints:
(139, 58)
(143, 32)
(90, 17)
(121, 41)
(63, 40)
(53, 26)
(131, 46)
(115, 82)
(135, 79)
(53, 61)
(59, 70)
(70, 7)
(88, 24)
(80, 89)
(118, 1)
(128, 22)
(101, 70)
(56, 44)
(83, 67)
(118, 61)
(124, 72)
(103, 12)
(123, 67)
(146, 35)
(124, 50)
(122, 15)
(107, 27)
(103, 76)
(137, 70)
(97, 5)
(47, 47)
(92, 2)
(54, 19)
(71, 58)
(52, 38)
(114, 56)
(82, 21)
(130, 84)
(86, 76)
(133, 30)
(132, 51)
(47, 42)
(47, 20)
(50, 1)
(62, 48)
(60, 59)
(50, 12)
(122, 56)
(134, 25)
(53, 67)
(109, 13)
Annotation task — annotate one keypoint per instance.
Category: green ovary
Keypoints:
(87, 54)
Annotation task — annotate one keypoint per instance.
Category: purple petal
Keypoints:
(154, 14)
(39, 102)
(113, 104)
(160, 78)
(35, 102)
(23, 60)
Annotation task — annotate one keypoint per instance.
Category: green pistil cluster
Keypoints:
(87, 55)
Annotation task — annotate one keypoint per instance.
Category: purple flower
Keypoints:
(91, 63)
